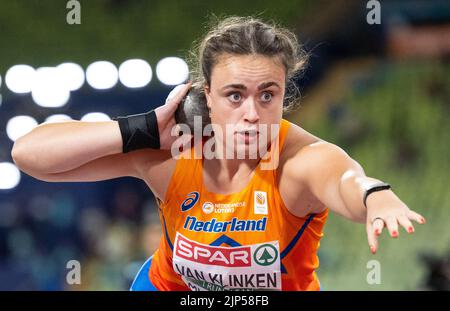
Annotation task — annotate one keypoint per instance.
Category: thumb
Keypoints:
(174, 92)
(177, 94)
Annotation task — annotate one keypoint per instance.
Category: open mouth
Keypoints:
(248, 132)
(248, 135)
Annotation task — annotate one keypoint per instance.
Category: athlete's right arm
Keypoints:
(74, 151)
(77, 151)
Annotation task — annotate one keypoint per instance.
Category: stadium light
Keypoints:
(135, 73)
(95, 117)
(19, 78)
(57, 118)
(102, 75)
(49, 89)
(172, 70)
(72, 75)
(19, 125)
(9, 176)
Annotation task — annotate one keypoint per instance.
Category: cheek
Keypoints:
(273, 111)
(277, 110)
(221, 108)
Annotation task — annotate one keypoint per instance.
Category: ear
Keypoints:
(207, 91)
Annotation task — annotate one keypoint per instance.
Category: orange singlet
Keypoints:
(246, 240)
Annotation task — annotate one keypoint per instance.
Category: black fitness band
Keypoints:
(375, 188)
(139, 131)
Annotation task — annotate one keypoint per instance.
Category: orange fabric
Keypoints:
(298, 238)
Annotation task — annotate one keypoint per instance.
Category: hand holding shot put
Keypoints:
(165, 115)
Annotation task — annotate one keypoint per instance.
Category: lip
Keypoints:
(248, 137)
(249, 132)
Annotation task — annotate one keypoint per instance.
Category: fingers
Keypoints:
(178, 93)
(416, 217)
(392, 226)
(378, 226)
(405, 223)
(372, 238)
(375, 227)
(185, 139)
(174, 92)
(181, 130)
(373, 231)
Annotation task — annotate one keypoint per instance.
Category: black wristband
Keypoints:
(139, 131)
(375, 188)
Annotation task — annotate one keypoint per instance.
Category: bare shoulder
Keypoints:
(302, 151)
(307, 164)
(155, 167)
(298, 141)
(299, 148)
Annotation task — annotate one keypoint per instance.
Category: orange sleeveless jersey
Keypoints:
(241, 241)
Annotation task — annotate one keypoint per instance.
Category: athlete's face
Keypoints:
(246, 94)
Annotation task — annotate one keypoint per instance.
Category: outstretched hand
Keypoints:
(385, 209)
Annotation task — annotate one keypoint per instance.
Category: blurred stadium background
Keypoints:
(379, 91)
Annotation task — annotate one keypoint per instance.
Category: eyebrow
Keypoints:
(262, 86)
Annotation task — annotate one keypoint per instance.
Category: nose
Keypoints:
(251, 111)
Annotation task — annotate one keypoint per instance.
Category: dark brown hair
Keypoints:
(246, 36)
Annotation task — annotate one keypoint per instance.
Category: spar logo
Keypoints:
(212, 255)
(265, 255)
(190, 201)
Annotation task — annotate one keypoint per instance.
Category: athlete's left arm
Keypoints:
(339, 182)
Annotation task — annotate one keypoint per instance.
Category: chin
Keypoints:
(247, 149)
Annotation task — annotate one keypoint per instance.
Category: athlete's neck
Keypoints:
(228, 175)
